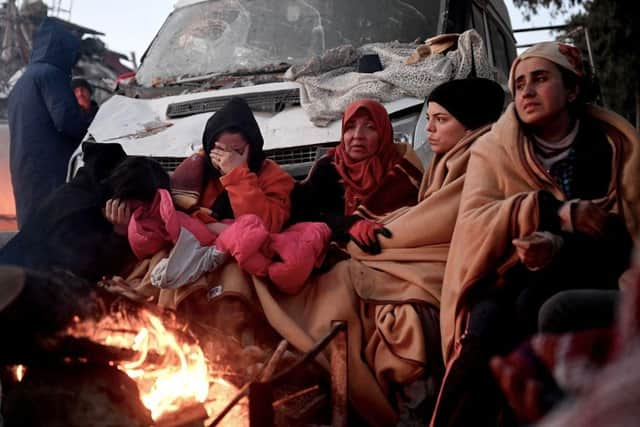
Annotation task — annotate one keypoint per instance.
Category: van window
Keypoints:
(478, 21)
(499, 44)
(220, 36)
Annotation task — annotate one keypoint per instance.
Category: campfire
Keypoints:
(170, 368)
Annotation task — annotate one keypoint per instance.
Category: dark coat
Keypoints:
(68, 230)
(45, 122)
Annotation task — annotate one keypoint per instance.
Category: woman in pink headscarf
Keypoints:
(366, 176)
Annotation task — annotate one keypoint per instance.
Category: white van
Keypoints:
(209, 51)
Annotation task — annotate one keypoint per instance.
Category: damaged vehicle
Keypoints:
(297, 63)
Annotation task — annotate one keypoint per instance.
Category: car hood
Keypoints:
(142, 127)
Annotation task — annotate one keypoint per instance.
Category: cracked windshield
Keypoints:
(226, 36)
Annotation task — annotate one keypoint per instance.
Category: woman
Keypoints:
(364, 177)
(414, 258)
(231, 175)
(550, 201)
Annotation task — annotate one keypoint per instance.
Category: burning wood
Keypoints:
(171, 373)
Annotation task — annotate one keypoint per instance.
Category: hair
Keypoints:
(138, 178)
(583, 85)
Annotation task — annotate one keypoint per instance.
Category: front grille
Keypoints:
(282, 156)
(270, 102)
(289, 156)
(169, 163)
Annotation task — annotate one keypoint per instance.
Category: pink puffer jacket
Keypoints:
(158, 225)
(286, 258)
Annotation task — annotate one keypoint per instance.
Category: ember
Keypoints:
(19, 371)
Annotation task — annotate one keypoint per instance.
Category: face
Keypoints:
(361, 138)
(230, 141)
(444, 130)
(541, 97)
(83, 96)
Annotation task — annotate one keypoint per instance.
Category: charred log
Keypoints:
(70, 395)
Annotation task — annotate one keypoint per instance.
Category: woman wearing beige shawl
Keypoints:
(550, 200)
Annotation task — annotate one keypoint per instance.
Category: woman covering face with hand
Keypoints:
(231, 175)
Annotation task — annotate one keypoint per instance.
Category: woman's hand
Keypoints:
(364, 233)
(535, 250)
(227, 160)
(583, 216)
(118, 213)
(589, 218)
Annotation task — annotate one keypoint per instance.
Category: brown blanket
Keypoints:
(416, 253)
(500, 202)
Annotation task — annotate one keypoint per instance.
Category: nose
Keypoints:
(430, 127)
(528, 89)
(358, 131)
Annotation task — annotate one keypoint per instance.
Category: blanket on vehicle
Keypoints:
(331, 82)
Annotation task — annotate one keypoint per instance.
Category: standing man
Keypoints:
(45, 122)
(83, 91)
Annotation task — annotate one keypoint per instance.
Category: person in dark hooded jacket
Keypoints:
(69, 230)
(45, 122)
(231, 176)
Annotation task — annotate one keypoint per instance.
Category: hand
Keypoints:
(535, 250)
(227, 160)
(589, 218)
(364, 233)
(118, 213)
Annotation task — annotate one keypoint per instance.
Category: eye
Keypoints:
(440, 119)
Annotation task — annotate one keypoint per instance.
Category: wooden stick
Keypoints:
(265, 374)
(295, 395)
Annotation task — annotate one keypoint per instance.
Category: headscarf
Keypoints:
(563, 55)
(454, 96)
(362, 177)
(237, 116)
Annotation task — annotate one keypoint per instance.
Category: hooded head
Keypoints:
(473, 102)
(53, 44)
(235, 116)
(80, 82)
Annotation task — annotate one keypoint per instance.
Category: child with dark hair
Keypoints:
(71, 229)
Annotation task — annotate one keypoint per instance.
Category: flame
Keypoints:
(19, 371)
(170, 373)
